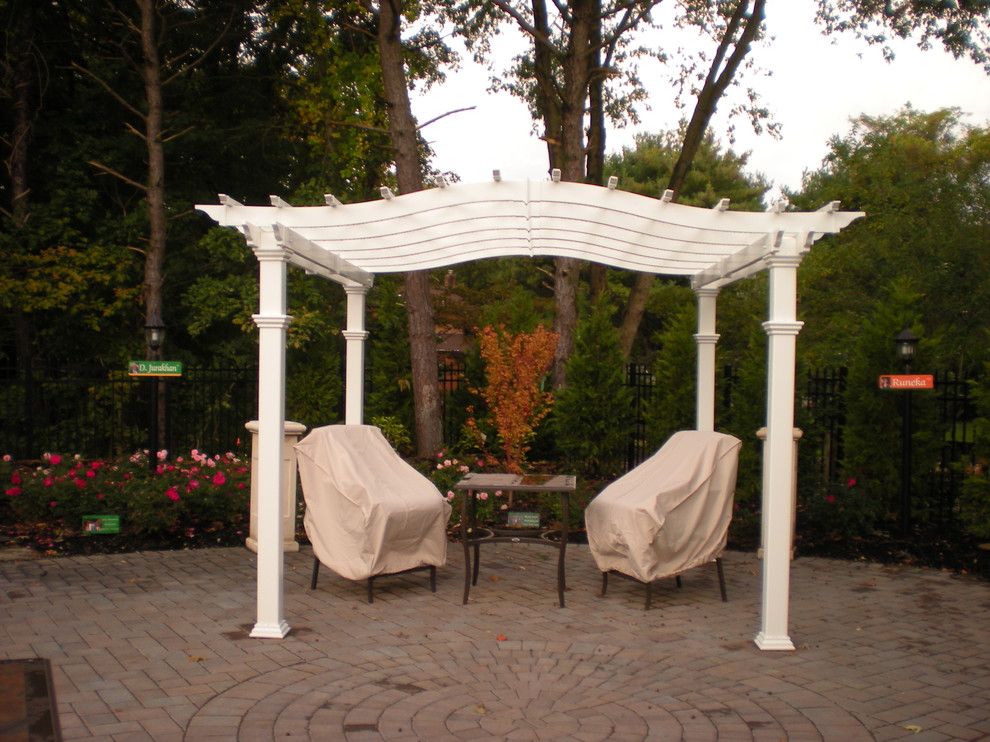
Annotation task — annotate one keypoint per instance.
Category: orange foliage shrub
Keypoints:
(515, 366)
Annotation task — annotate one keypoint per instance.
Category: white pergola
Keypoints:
(454, 224)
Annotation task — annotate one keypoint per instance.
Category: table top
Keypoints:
(518, 482)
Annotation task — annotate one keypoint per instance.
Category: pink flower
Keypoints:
(6, 458)
(240, 485)
(498, 493)
(99, 496)
(450, 495)
(15, 478)
(55, 459)
(851, 483)
(14, 491)
(172, 493)
(482, 495)
(830, 498)
(464, 469)
(80, 483)
(49, 481)
(219, 478)
(51, 504)
(90, 474)
(504, 507)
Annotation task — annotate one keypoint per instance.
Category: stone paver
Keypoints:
(155, 646)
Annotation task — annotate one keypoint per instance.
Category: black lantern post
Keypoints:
(154, 333)
(907, 345)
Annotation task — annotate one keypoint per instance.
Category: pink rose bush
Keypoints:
(206, 498)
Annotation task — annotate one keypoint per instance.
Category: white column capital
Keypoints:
(355, 334)
(710, 291)
(352, 289)
(783, 328)
(272, 321)
(270, 254)
(706, 338)
(782, 260)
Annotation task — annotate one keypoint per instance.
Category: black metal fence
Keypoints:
(96, 411)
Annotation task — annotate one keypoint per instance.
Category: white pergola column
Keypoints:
(355, 335)
(272, 322)
(706, 339)
(779, 451)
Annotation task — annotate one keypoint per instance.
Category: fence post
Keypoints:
(292, 432)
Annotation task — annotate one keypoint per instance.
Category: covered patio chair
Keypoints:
(368, 512)
(669, 514)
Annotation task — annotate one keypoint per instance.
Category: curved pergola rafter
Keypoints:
(446, 226)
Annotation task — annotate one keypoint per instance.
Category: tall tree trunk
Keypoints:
(567, 271)
(741, 31)
(419, 308)
(154, 264)
(18, 159)
(596, 137)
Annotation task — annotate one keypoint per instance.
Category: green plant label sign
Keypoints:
(524, 520)
(154, 368)
(92, 524)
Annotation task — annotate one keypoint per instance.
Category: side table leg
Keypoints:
(477, 562)
(565, 517)
(467, 546)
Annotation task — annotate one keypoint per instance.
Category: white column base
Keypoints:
(773, 643)
(267, 631)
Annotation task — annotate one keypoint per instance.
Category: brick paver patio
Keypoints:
(155, 646)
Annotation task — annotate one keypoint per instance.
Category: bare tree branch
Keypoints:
(444, 115)
(178, 134)
(106, 86)
(196, 62)
(111, 171)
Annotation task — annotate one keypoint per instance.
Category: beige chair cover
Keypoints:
(368, 512)
(670, 513)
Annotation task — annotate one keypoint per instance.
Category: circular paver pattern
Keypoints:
(534, 693)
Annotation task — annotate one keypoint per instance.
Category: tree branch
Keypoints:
(444, 115)
(196, 62)
(526, 27)
(111, 171)
(354, 124)
(106, 86)
(178, 134)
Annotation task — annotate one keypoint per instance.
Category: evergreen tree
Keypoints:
(593, 413)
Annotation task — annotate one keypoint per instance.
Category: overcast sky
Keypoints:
(815, 88)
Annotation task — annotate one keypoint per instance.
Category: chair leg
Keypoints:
(371, 594)
(433, 578)
(677, 579)
(604, 583)
(721, 579)
(316, 572)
